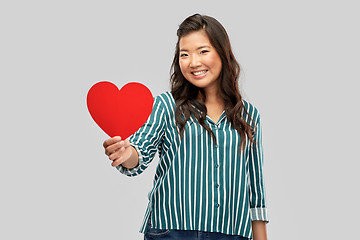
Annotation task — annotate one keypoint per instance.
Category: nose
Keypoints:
(195, 62)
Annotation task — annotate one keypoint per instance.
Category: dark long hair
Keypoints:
(190, 100)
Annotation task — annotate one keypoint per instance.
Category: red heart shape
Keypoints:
(119, 113)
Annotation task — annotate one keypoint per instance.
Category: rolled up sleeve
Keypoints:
(258, 206)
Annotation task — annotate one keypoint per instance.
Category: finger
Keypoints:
(126, 143)
(115, 155)
(112, 148)
(111, 141)
(120, 152)
(117, 162)
(122, 144)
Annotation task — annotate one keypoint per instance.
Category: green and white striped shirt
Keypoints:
(199, 184)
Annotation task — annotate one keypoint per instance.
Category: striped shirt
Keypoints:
(200, 184)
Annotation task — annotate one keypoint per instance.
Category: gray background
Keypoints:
(301, 64)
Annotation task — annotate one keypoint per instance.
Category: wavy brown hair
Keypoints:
(190, 100)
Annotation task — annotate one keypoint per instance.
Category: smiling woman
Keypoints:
(217, 93)
(199, 61)
(209, 179)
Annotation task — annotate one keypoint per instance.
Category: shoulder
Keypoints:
(251, 110)
(165, 101)
(165, 98)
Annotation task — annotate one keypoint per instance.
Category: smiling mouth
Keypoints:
(199, 73)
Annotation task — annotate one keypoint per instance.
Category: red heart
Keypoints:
(119, 113)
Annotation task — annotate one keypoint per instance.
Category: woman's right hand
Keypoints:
(119, 151)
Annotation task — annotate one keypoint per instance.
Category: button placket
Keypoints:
(216, 169)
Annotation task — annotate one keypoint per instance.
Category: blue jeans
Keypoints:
(158, 234)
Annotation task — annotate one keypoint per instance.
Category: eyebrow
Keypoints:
(185, 50)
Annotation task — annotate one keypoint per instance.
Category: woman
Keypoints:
(208, 182)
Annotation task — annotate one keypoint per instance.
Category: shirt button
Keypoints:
(216, 185)
(217, 205)
(216, 127)
(216, 146)
(217, 165)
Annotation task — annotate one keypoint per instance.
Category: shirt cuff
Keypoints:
(259, 214)
(134, 171)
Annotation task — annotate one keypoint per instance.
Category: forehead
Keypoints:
(194, 40)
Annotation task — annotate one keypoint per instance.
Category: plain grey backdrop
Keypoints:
(301, 70)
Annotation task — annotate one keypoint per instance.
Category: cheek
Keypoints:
(216, 63)
(182, 66)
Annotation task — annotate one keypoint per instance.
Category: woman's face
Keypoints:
(199, 61)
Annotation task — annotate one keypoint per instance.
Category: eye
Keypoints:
(183, 55)
(204, 51)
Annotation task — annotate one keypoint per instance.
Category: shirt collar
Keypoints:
(222, 117)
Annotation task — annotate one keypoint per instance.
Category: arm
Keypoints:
(258, 205)
(259, 230)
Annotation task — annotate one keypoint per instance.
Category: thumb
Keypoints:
(127, 142)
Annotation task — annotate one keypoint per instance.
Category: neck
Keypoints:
(212, 98)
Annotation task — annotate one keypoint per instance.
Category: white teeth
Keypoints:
(199, 73)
